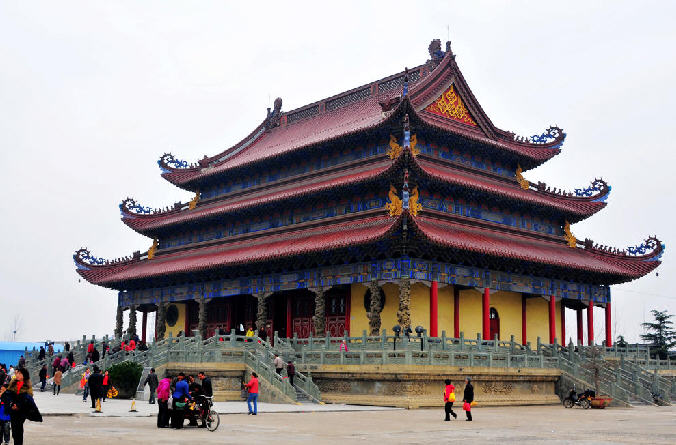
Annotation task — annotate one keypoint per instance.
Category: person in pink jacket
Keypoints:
(163, 391)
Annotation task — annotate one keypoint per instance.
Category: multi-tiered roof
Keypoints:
(409, 165)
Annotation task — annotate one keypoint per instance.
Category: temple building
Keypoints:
(395, 203)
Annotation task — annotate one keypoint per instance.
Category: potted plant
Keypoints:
(596, 364)
(125, 376)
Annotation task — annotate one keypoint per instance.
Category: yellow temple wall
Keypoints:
(445, 296)
(508, 305)
(180, 322)
(420, 306)
(470, 313)
(358, 320)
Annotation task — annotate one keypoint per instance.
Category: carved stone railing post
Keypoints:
(375, 308)
(202, 317)
(262, 312)
(131, 330)
(118, 323)
(319, 318)
(161, 321)
(404, 312)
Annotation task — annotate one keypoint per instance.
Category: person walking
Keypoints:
(468, 398)
(279, 364)
(95, 355)
(449, 398)
(179, 397)
(252, 387)
(152, 383)
(19, 398)
(56, 363)
(290, 371)
(95, 382)
(84, 384)
(43, 378)
(56, 385)
(343, 346)
(22, 362)
(105, 386)
(163, 392)
(42, 353)
(4, 417)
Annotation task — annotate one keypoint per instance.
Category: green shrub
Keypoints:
(125, 377)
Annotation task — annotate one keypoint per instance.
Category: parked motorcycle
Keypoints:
(583, 400)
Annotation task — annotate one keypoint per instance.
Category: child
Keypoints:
(4, 418)
(449, 398)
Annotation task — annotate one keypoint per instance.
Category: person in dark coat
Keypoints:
(468, 397)
(42, 354)
(19, 398)
(43, 378)
(152, 383)
(95, 355)
(290, 371)
(95, 386)
(207, 389)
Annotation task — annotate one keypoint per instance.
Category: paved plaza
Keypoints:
(288, 424)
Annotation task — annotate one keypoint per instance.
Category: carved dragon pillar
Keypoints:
(262, 312)
(202, 317)
(118, 322)
(375, 308)
(131, 330)
(404, 312)
(319, 318)
(161, 321)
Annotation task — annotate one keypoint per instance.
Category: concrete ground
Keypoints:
(534, 424)
(68, 404)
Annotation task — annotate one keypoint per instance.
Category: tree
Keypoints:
(660, 334)
(621, 342)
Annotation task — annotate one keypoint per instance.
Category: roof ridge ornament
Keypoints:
(193, 202)
(168, 161)
(153, 249)
(394, 206)
(568, 235)
(131, 206)
(551, 134)
(273, 118)
(520, 179)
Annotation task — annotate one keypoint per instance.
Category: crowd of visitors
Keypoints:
(16, 402)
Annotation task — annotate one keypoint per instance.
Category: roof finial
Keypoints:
(274, 116)
(436, 54)
(405, 92)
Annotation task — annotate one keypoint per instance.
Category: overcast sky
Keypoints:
(92, 93)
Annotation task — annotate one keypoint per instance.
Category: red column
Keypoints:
(456, 312)
(590, 323)
(434, 309)
(609, 334)
(552, 319)
(486, 312)
(348, 309)
(144, 323)
(289, 328)
(580, 331)
(523, 320)
(563, 324)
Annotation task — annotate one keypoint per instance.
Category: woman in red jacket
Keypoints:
(252, 387)
(449, 398)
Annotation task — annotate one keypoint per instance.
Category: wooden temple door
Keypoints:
(302, 311)
(336, 300)
(218, 317)
(494, 323)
